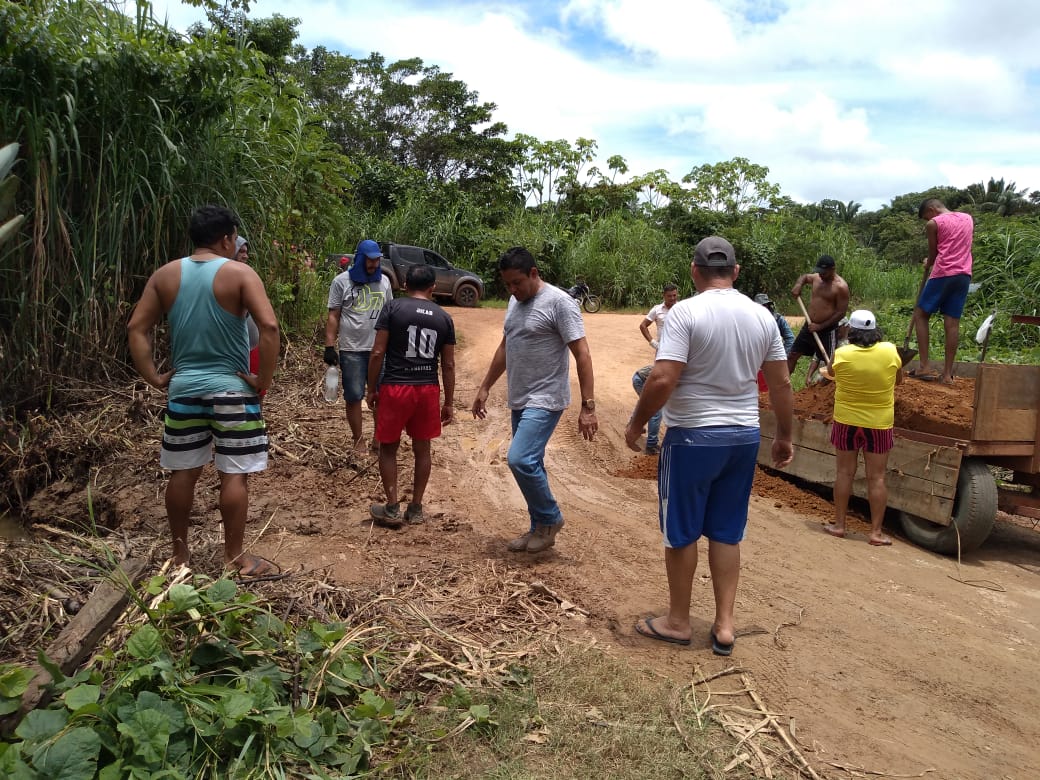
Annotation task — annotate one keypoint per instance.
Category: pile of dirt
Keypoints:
(641, 467)
(927, 407)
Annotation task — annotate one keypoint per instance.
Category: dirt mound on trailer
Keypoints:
(927, 407)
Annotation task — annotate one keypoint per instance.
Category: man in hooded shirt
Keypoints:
(355, 299)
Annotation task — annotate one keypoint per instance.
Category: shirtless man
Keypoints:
(828, 304)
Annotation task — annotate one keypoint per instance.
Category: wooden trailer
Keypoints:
(945, 488)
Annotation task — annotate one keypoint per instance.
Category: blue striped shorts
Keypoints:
(227, 428)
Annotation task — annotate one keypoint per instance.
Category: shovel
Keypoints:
(905, 353)
(819, 344)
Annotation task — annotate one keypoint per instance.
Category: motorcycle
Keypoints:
(587, 301)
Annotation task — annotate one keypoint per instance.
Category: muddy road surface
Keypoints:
(894, 660)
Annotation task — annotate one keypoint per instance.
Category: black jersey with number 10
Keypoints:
(418, 329)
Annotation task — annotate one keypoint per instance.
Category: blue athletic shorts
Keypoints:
(945, 294)
(704, 481)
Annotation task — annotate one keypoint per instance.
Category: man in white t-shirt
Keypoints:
(670, 293)
(705, 376)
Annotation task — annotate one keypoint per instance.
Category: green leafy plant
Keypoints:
(210, 684)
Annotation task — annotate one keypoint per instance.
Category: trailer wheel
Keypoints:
(974, 510)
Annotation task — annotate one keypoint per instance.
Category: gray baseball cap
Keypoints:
(714, 252)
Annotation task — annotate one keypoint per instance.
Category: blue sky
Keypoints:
(854, 101)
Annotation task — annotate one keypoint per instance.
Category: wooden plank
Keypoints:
(930, 462)
(1006, 425)
(930, 438)
(1010, 449)
(78, 639)
(1006, 402)
(912, 494)
(961, 368)
(921, 477)
(1016, 503)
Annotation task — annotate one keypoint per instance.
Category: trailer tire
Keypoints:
(974, 510)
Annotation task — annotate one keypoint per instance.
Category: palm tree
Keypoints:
(846, 212)
(999, 196)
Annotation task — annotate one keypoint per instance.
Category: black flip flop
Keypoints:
(653, 633)
(718, 648)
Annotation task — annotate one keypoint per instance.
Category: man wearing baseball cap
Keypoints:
(827, 305)
(781, 321)
(865, 374)
(705, 376)
(355, 299)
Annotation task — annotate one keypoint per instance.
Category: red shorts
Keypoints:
(412, 408)
(851, 438)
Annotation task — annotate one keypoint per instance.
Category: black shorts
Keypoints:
(805, 344)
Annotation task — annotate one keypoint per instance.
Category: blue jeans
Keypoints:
(531, 431)
(653, 427)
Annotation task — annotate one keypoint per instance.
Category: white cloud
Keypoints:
(855, 101)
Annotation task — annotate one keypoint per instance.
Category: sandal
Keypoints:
(261, 570)
(924, 376)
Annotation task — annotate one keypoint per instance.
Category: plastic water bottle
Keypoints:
(332, 384)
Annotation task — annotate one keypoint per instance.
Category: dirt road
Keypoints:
(895, 666)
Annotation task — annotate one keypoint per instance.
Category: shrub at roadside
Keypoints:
(214, 685)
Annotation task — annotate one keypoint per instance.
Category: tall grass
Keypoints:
(124, 128)
(101, 153)
(626, 260)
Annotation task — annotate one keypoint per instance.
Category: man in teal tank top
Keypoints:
(213, 412)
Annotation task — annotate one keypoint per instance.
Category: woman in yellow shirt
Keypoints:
(865, 373)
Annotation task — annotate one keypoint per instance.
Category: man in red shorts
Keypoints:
(412, 333)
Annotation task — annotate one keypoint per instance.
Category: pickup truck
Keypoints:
(465, 288)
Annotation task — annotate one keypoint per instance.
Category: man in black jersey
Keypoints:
(412, 333)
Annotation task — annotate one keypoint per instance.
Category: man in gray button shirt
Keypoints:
(542, 323)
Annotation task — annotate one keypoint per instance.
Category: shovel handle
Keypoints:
(920, 289)
(808, 322)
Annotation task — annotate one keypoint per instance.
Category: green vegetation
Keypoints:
(123, 126)
(203, 679)
(210, 685)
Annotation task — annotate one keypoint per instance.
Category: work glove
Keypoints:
(331, 356)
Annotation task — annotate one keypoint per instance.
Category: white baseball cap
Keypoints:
(862, 319)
